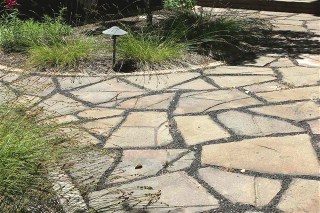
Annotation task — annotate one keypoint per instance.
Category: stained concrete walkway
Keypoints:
(221, 139)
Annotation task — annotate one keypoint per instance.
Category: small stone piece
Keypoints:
(302, 196)
(246, 124)
(241, 188)
(292, 155)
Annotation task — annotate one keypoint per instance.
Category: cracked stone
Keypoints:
(292, 155)
(100, 113)
(161, 101)
(197, 84)
(102, 126)
(311, 76)
(254, 125)
(58, 105)
(315, 126)
(197, 129)
(302, 196)
(152, 161)
(241, 188)
(296, 111)
(304, 93)
(238, 81)
(142, 129)
(174, 188)
(239, 70)
(161, 81)
(210, 101)
(266, 87)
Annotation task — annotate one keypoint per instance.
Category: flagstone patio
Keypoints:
(214, 139)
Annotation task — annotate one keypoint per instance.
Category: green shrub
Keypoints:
(68, 54)
(213, 31)
(25, 150)
(175, 4)
(147, 48)
(17, 35)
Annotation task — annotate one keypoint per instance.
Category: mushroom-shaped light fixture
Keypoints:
(114, 32)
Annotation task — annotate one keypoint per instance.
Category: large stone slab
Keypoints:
(302, 196)
(197, 129)
(211, 101)
(240, 188)
(35, 85)
(253, 125)
(292, 155)
(67, 83)
(151, 162)
(304, 93)
(161, 81)
(102, 126)
(296, 111)
(260, 61)
(282, 62)
(197, 84)
(266, 87)
(5, 94)
(100, 113)
(142, 129)
(179, 193)
(315, 126)
(238, 81)
(240, 70)
(160, 101)
(308, 60)
(301, 76)
(59, 105)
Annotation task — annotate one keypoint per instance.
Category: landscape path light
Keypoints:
(114, 32)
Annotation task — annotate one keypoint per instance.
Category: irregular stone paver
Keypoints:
(282, 62)
(304, 93)
(58, 105)
(161, 81)
(100, 113)
(79, 138)
(215, 100)
(183, 163)
(102, 126)
(239, 70)
(315, 126)
(266, 87)
(292, 155)
(197, 84)
(151, 161)
(253, 125)
(260, 61)
(142, 129)
(238, 81)
(296, 111)
(161, 101)
(302, 196)
(5, 94)
(197, 129)
(311, 76)
(308, 60)
(10, 77)
(64, 119)
(35, 85)
(67, 83)
(240, 188)
(174, 188)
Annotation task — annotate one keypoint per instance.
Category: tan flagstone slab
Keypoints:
(5, 94)
(35, 85)
(158, 82)
(67, 83)
(102, 126)
(27, 100)
(197, 84)
(253, 125)
(63, 119)
(301, 76)
(301, 196)
(159, 101)
(100, 113)
(174, 188)
(286, 27)
(9, 77)
(183, 163)
(150, 162)
(239, 188)
(266, 87)
(304, 93)
(142, 129)
(240, 70)
(315, 25)
(60, 105)
(78, 137)
(293, 155)
(315, 126)
(260, 61)
(282, 62)
(296, 111)
(288, 22)
(215, 100)
(304, 17)
(197, 129)
(238, 81)
(308, 60)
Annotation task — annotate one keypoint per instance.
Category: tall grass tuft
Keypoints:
(25, 150)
